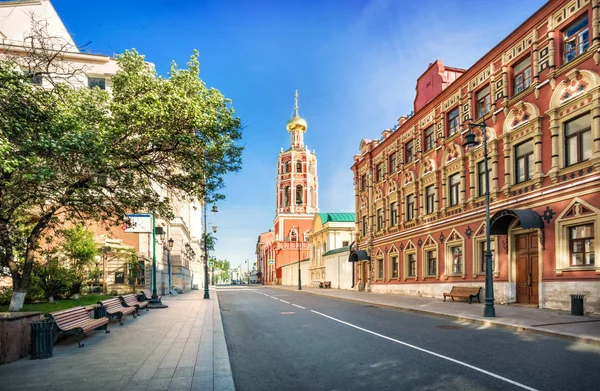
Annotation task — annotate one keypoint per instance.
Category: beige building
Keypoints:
(330, 231)
(96, 70)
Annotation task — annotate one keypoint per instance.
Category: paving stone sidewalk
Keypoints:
(177, 348)
(550, 322)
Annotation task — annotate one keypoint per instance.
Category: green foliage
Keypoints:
(210, 241)
(59, 304)
(223, 267)
(83, 153)
(134, 269)
(54, 279)
(5, 295)
(80, 248)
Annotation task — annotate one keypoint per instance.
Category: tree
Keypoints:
(222, 266)
(80, 248)
(77, 153)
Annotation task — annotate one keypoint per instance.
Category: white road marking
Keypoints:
(273, 297)
(430, 352)
(283, 301)
(299, 306)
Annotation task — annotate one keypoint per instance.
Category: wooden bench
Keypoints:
(146, 295)
(325, 284)
(115, 309)
(131, 300)
(76, 321)
(467, 292)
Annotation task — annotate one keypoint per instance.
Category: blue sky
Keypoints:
(354, 63)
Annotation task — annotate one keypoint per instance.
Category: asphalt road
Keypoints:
(285, 340)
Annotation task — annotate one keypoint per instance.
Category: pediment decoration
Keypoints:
(428, 166)
(363, 202)
(378, 193)
(393, 249)
(429, 241)
(379, 253)
(577, 208)
(521, 114)
(410, 246)
(451, 153)
(454, 235)
(408, 177)
(481, 230)
(576, 83)
(392, 186)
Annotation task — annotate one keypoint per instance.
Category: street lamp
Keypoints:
(170, 244)
(206, 281)
(298, 245)
(489, 311)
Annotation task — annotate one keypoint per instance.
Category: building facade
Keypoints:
(420, 194)
(297, 196)
(330, 231)
(86, 70)
(265, 257)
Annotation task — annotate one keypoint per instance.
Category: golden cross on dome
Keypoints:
(296, 103)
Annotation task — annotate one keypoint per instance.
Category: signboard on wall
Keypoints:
(138, 223)
(271, 262)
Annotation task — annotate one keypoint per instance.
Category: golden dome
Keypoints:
(296, 121)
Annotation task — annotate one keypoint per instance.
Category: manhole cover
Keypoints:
(447, 327)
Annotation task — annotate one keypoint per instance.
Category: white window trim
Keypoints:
(392, 254)
(448, 259)
(411, 250)
(477, 258)
(425, 265)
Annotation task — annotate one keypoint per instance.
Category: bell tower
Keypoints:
(297, 193)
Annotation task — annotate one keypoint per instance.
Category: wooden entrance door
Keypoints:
(364, 273)
(527, 268)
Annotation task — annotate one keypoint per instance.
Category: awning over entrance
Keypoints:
(358, 255)
(501, 220)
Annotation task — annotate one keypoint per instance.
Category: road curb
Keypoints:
(518, 327)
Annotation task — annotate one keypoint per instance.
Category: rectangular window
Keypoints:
(431, 263)
(395, 266)
(36, 79)
(364, 225)
(392, 163)
(119, 277)
(453, 122)
(363, 182)
(582, 245)
(454, 188)
(521, 76)
(379, 219)
(578, 140)
(524, 161)
(482, 246)
(412, 265)
(429, 138)
(410, 207)
(99, 82)
(484, 102)
(409, 148)
(393, 214)
(481, 178)
(429, 199)
(345, 243)
(380, 269)
(457, 264)
(576, 39)
(379, 172)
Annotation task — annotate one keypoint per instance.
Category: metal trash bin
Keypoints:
(577, 304)
(42, 339)
(99, 312)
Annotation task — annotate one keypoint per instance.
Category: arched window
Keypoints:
(293, 235)
(299, 195)
(286, 196)
(299, 166)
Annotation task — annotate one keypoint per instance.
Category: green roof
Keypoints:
(337, 250)
(337, 217)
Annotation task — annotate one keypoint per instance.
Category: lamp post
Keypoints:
(206, 280)
(154, 302)
(489, 311)
(299, 272)
(170, 243)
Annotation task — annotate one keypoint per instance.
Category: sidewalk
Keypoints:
(550, 322)
(177, 348)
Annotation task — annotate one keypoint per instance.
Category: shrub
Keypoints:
(5, 295)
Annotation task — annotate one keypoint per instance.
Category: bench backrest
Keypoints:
(147, 293)
(111, 304)
(466, 290)
(66, 318)
(130, 299)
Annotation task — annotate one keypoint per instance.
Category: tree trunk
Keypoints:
(17, 301)
(51, 299)
(76, 296)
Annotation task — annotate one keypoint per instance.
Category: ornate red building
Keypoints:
(297, 196)
(420, 193)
